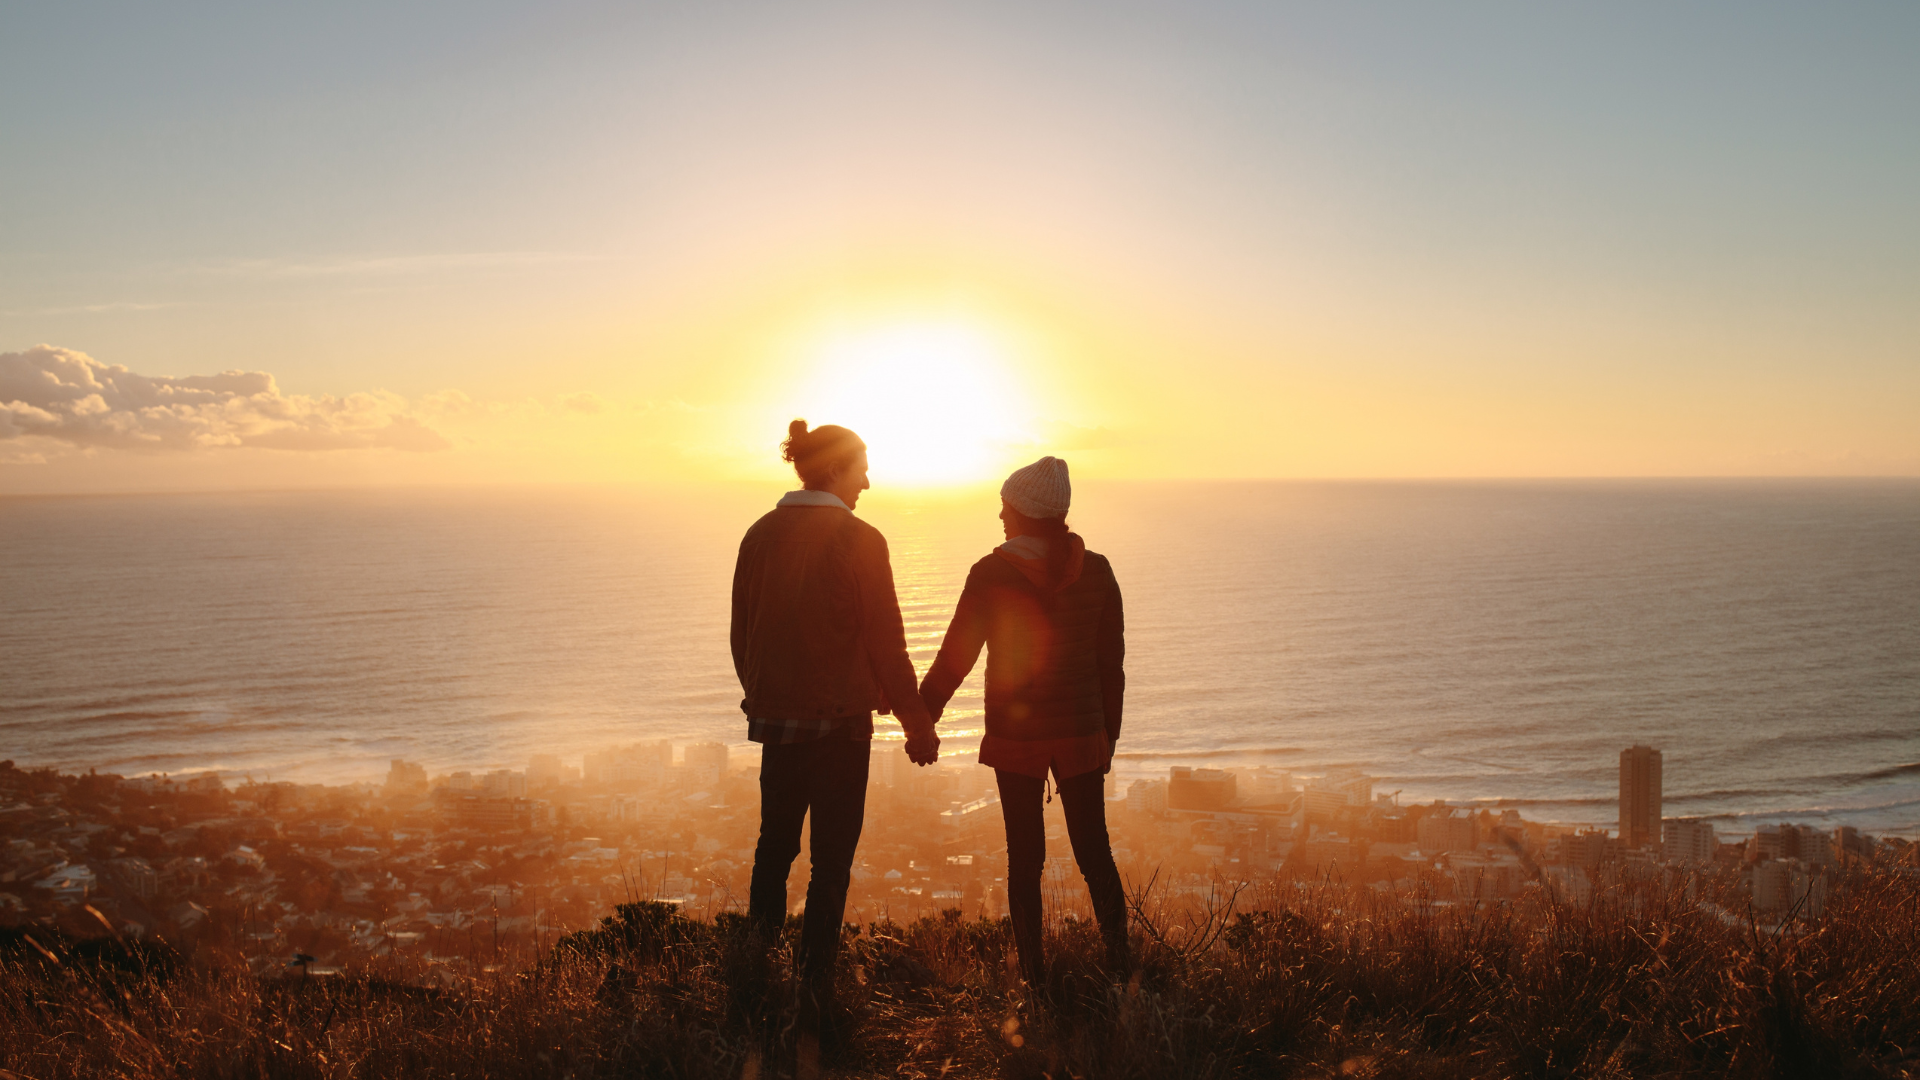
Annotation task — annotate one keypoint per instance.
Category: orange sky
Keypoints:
(567, 244)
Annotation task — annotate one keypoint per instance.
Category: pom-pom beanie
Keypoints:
(1039, 490)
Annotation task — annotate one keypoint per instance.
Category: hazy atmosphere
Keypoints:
(1238, 539)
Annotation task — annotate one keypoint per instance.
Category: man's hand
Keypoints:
(923, 746)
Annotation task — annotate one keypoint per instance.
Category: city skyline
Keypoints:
(643, 823)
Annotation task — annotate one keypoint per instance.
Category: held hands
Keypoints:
(923, 746)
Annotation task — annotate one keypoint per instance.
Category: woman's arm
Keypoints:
(1111, 646)
(966, 635)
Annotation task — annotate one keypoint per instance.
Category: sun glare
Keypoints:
(934, 400)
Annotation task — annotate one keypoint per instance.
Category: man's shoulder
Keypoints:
(763, 526)
(788, 521)
(861, 535)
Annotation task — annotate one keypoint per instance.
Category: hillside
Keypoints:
(1300, 981)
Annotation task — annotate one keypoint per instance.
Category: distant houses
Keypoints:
(416, 863)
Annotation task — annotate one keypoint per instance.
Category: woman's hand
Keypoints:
(923, 746)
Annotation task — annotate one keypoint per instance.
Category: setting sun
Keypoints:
(934, 399)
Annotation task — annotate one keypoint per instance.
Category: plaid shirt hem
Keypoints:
(781, 732)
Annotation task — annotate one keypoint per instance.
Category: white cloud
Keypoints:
(49, 393)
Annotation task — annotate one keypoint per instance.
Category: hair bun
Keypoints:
(795, 447)
(819, 452)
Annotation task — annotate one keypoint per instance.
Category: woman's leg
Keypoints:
(1084, 800)
(1026, 856)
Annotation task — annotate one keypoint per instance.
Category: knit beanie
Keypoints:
(1040, 490)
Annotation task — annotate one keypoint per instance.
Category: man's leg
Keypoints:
(1084, 800)
(837, 796)
(1020, 806)
(784, 773)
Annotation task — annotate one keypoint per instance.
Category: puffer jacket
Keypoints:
(816, 624)
(1054, 656)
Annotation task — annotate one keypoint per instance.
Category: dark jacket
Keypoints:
(816, 625)
(1054, 657)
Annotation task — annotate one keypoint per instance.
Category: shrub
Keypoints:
(1289, 982)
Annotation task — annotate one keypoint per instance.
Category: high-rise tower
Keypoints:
(1639, 797)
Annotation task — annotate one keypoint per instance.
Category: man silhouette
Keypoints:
(819, 646)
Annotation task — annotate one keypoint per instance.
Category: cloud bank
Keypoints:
(50, 393)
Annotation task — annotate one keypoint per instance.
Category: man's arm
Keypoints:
(966, 635)
(742, 623)
(1111, 647)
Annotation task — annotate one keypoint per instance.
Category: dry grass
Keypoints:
(1318, 982)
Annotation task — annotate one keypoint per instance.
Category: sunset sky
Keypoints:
(359, 243)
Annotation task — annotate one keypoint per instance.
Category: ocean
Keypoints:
(1494, 643)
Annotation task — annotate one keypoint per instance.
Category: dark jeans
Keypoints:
(1083, 800)
(827, 777)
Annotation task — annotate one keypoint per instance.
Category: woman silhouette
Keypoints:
(1047, 611)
